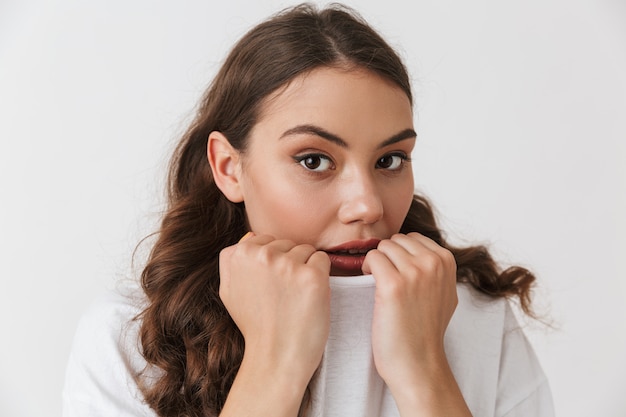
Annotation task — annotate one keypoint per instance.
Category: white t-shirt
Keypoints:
(492, 361)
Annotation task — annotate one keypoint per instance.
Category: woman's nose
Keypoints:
(361, 202)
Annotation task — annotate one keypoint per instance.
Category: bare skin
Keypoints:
(327, 170)
(414, 302)
(290, 287)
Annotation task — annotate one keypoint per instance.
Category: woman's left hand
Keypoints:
(414, 302)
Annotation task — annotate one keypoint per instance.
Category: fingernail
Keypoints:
(247, 235)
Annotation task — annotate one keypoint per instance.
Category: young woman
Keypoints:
(295, 271)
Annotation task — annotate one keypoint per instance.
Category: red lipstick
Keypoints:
(347, 258)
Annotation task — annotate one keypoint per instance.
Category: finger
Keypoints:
(281, 245)
(378, 264)
(416, 244)
(442, 252)
(320, 260)
(302, 253)
(418, 237)
(412, 244)
(397, 253)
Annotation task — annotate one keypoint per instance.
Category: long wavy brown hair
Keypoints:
(186, 332)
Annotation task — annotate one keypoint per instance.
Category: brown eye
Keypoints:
(312, 162)
(391, 162)
(315, 162)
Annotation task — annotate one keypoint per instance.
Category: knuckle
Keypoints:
(449, 261)
(226, 253)
(266, 254)
(448, 256)
(385, 245)
(430, 262)
(307, 247)
(414, 275)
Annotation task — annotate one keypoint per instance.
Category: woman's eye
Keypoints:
(391, 162)
(315, 162)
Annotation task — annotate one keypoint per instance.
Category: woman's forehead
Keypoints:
(325, 90)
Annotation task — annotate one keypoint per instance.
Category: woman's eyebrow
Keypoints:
(400, 136)
(308, 129)
(315, 130)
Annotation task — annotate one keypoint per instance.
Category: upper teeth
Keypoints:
(354, 251)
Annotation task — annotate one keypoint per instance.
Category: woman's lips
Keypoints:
(347, 258)
(346, 264)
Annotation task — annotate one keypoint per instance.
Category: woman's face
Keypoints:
(328, 164)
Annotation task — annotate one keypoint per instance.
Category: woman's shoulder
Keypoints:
(477, 325)
(483, 319)
(493, 361)
(105, 360)
(115, 307)
(109, 328)
(483, 327)
(110, 322)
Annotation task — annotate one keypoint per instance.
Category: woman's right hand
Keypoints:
(278, 294)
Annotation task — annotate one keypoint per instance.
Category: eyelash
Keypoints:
(404, 158)
(301, 159)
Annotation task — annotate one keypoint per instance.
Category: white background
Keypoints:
(521, 115)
